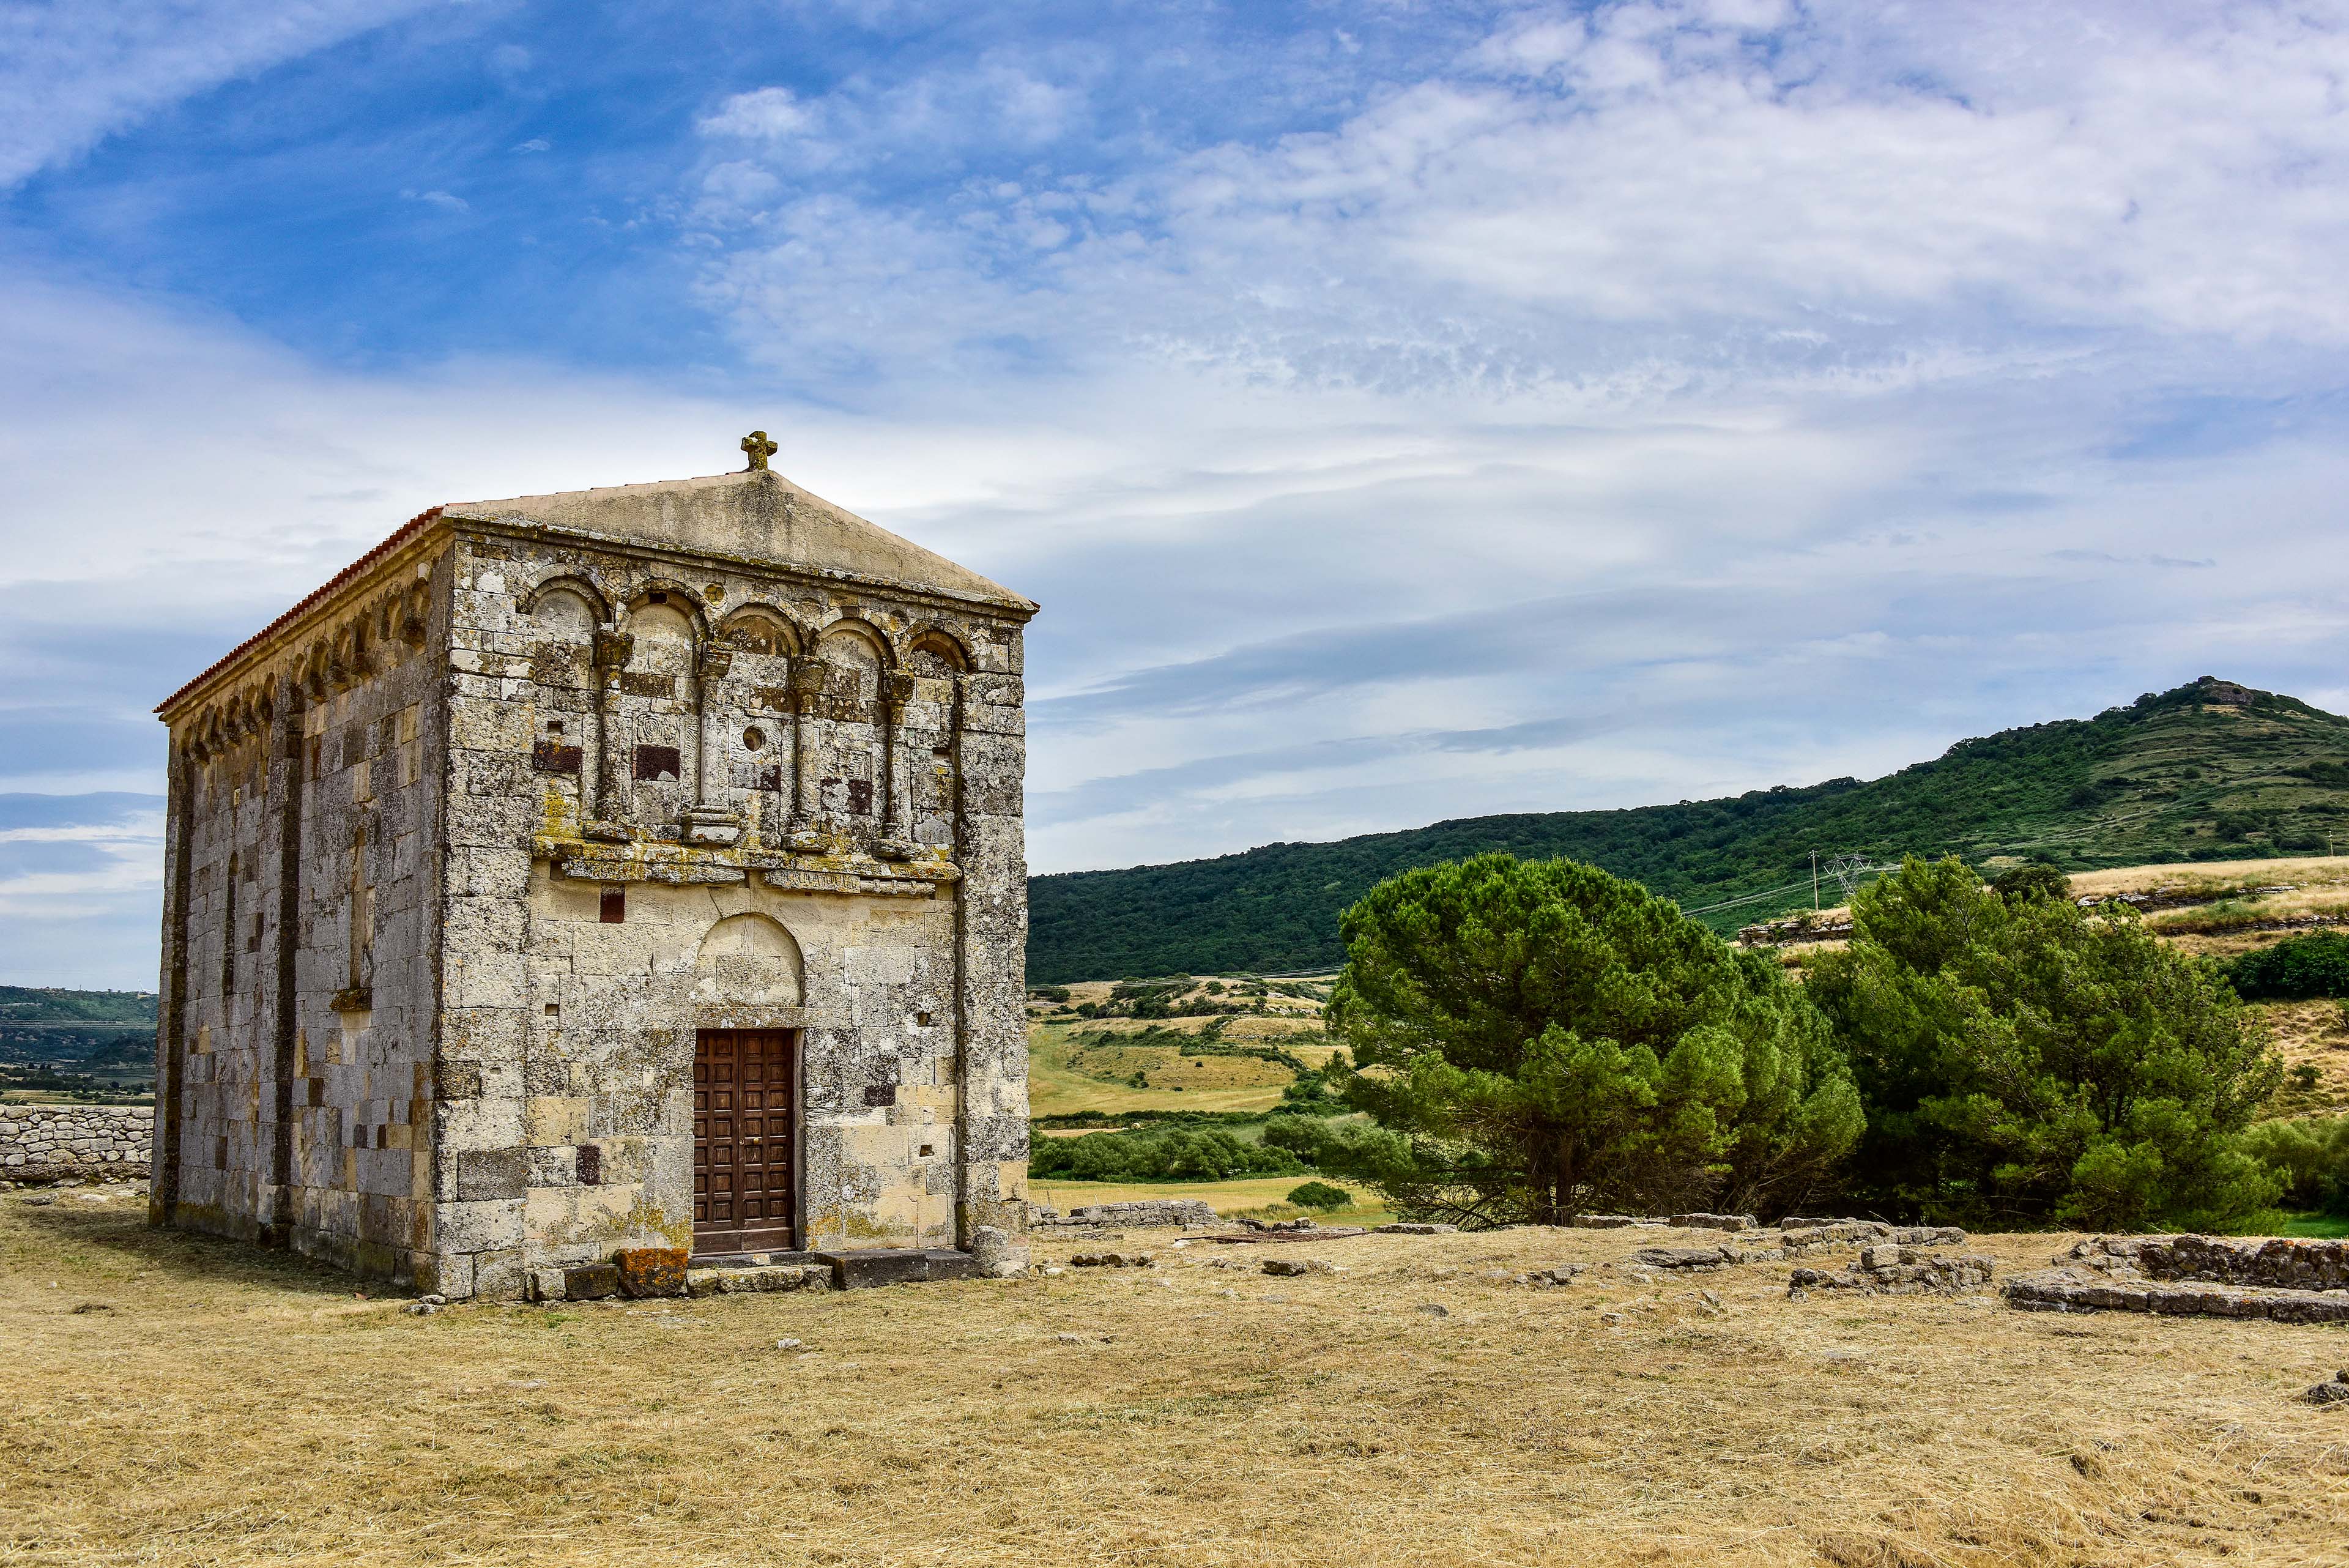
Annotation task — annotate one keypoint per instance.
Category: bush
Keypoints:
(2294, 969)
(2026, 1063)
(2032, 881)
(1539, 1037)
(1171, 1153)
(2311, 1156)
(1321, 1195)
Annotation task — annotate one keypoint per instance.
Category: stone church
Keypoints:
(626, 867)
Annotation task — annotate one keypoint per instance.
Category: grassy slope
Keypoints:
(2175, 776)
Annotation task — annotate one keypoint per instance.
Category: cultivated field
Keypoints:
(1117, 1063)
(178, 1401)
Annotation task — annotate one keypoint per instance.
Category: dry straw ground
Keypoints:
(174, 1400)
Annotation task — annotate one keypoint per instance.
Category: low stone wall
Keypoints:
(41, 1144)
(2280, 1263)
(2284, 1279)
(1140, 1214)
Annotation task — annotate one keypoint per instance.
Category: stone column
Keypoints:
(611, 651)
(807, 681)
(896, 839)
(706, 822)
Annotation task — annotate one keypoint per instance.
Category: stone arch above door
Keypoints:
(747, 961)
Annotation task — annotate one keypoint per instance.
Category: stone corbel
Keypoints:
(612, 649)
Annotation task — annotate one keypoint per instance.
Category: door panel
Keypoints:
(744, 1128)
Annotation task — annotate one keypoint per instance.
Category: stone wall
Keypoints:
(727, 799)
(295, 1068)
(1140, 1213)
(60, 1142)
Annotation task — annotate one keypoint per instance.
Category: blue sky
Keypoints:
(1402, 411)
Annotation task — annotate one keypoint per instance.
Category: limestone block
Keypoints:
(558, 1119)
(591, 1282)
(998, 1254)
(648, 1272)
(501, 1275)
(481, 1124)
(462, 1227)
(487, 1174)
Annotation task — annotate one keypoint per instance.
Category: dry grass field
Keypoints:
(1246, 1195)
(180, 1401)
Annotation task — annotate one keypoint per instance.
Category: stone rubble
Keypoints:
(1556, 1274)
(2334, 1391)
(1291, 1268)
(1112, 1260)
(1413, 1228)
(1890, 1269)
(1830, 1232)
(1731, 1222)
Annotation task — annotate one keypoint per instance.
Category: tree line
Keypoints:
(1536, 1039)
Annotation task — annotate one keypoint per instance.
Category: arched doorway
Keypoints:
(746, 1098)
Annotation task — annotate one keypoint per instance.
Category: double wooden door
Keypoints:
(745, 1124)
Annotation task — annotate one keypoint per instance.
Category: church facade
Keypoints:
(628, 867)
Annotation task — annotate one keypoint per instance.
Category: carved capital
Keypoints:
(896, 690)
(612, 649)
(807, 681)
(716, 660)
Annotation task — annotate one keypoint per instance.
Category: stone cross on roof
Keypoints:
(760, 449)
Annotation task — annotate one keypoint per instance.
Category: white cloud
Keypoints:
(1629, 408)
(765, 114)
(440, 199)
(1649, 190)
(72, 73)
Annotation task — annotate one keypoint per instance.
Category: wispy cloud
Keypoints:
(70, 74)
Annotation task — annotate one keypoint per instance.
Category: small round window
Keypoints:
(754, 739)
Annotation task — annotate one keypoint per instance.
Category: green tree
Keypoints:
(2023, 1061)
(1538, 1038)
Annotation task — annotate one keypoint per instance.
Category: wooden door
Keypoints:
(744, 1126)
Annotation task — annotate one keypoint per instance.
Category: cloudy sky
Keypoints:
(1402, 409)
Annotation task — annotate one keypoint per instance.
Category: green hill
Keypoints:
(2210, 771)
(48, 1026)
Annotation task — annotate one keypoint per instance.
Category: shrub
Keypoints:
(1539, 1037)
(1321, 1195)
(2294, 969)
(2032, 881)
(1165, 1153)
(2311, 1155)
(2029, 1062)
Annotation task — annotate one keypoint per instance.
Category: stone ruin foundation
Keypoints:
(2282, 1279)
